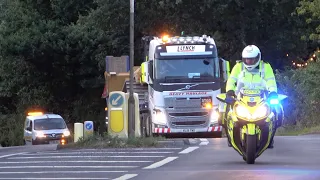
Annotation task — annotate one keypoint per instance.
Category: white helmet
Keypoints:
(251, 57)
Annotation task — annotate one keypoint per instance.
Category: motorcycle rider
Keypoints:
(252, 72)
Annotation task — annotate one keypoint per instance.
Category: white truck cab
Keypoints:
(45, 128)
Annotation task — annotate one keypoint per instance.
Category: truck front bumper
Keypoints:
(167, 130)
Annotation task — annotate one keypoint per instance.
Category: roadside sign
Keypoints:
(116, 100)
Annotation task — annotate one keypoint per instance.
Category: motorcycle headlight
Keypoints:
(260, 112)
(160, 117)
(243, 112)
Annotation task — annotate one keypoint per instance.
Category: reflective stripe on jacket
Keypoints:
(262, 78)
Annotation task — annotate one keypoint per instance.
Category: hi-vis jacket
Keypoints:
(261, 77)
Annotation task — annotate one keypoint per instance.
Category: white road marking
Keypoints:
(53, 172)
(160, 163)
(188, 150)
(30, 162)
(204, 142)
(52, 157)
(143, 152)
(9, 155)
(126, 176)
(55, 178)
(27, 167)
(120, 149)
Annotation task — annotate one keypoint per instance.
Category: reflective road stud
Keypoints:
(88, 128)
(78, 131)
(118, 114)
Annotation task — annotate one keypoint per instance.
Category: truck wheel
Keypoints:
(148, 126)
(143, 125)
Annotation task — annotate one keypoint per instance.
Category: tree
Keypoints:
(311, 10)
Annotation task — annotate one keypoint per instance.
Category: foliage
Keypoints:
(302, 87)
(311, 9)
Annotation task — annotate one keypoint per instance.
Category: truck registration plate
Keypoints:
(188, 130)
(206, 100)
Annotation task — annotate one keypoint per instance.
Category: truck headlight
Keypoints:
(214, 116)
(159, 117)
(66, 133)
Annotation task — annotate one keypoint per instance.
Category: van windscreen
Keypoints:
(51, 123)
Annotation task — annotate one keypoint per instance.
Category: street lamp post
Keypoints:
(131, 113)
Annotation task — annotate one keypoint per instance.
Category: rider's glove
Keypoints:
(231, 93)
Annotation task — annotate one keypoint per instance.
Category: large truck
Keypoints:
(177, 86)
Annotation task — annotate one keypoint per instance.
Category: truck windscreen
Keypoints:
(199, 69)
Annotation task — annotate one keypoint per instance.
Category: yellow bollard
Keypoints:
(117, 114)
(78, 131)
(88, 129)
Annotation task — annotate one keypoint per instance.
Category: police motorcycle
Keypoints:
(251, 121)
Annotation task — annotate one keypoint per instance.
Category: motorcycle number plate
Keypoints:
(188, 130)
(206, 100)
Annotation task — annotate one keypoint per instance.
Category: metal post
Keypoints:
(131, 113)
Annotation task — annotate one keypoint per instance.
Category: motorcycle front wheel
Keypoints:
(251, 149)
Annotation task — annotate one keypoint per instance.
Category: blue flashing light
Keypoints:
(274, 101)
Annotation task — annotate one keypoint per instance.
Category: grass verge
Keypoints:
(107, 141)
(295, 130)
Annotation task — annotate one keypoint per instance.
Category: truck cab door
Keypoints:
(225, 69)
(144, 73)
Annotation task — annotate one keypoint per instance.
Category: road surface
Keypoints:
(293, 158)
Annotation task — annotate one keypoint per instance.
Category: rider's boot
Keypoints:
(229, 143)
(271, 146)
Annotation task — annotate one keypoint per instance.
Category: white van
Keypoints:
(45, 128)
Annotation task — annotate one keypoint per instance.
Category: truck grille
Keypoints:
(182, 103)
(188, 123)
(188, 118)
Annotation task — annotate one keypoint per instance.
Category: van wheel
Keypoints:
(34, 142)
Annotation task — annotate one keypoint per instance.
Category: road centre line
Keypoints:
(126, 177)
(67, 178)
(14, 154)
(160, 163)
(188, 150)
(30, 167)
(120, 149)
(204, 142)
(57, 153)
(54, 172)
(30, 162)
(53, 157)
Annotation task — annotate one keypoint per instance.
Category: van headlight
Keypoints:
(159, 117)
(66, 133)
(40, 134)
